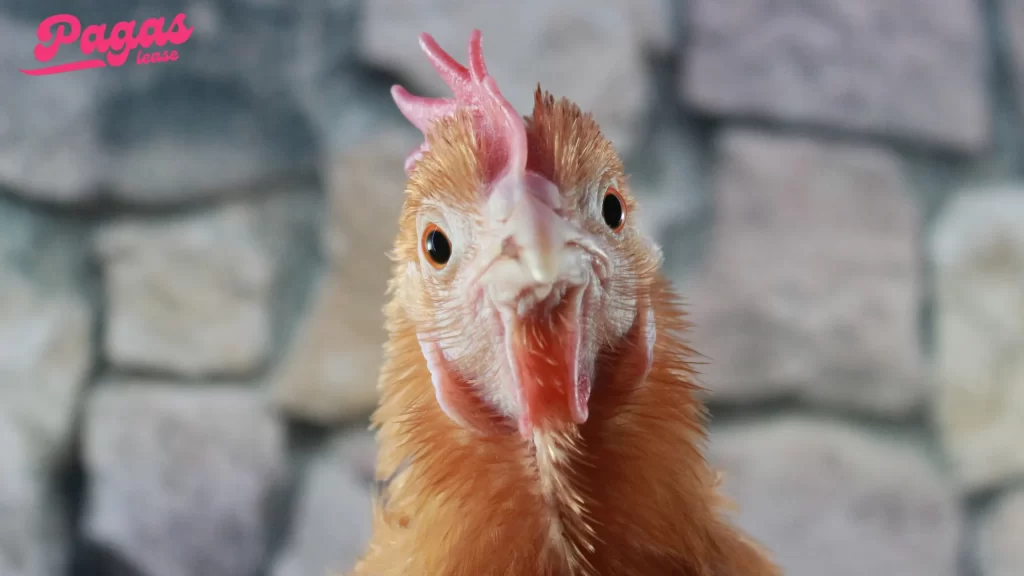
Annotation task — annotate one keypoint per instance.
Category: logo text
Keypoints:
(65, 29)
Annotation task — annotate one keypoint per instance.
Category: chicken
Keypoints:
(537, 413)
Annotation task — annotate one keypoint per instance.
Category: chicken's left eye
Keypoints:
(613, 210)
(436, 246)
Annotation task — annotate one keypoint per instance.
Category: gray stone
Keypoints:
(913, 69)
(187, 137)
(45, 358)
(666, 183)
(266, 44)
(230, 112)
(587, 51)
(654, 23)
(1012, 17)
(332, 522)
(180, 478)
(1001, 538)
(269, 45)
(23, 546)
(188, 295)
(668, 179)
(223, 116)
(365, 192)
(49, 137)
(330, 372)
(49, 248)
(828, 498)
(978, 249)
(811, 284)
(347, 107)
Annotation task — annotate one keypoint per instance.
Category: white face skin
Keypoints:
(535, 257)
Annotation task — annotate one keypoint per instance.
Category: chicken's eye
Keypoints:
(436, 246)
(613, 210)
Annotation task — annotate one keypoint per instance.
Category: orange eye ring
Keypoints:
(613, 209)
(436, 247)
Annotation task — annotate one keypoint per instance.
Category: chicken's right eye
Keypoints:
(436, 246)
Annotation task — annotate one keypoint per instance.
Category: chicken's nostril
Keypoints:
(542, 265)
(509, 248)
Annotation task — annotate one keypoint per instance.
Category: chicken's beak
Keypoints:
(538, 236)
(539, 288)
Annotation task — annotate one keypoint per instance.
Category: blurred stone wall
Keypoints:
(192, 268)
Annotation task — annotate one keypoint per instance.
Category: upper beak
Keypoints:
(539, 236)
(533, 247)
(534, 232)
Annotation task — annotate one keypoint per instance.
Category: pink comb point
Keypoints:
(495, 120)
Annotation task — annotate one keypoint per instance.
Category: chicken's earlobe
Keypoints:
(456, 397)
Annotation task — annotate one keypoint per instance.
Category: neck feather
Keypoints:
(628, 491)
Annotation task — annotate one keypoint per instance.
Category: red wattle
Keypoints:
(545, 356)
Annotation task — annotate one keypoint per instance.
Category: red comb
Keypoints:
(495, 120)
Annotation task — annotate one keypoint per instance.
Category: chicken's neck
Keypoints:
(571, 534)
(627, 491)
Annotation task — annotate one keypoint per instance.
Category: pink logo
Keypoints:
(66, 29)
